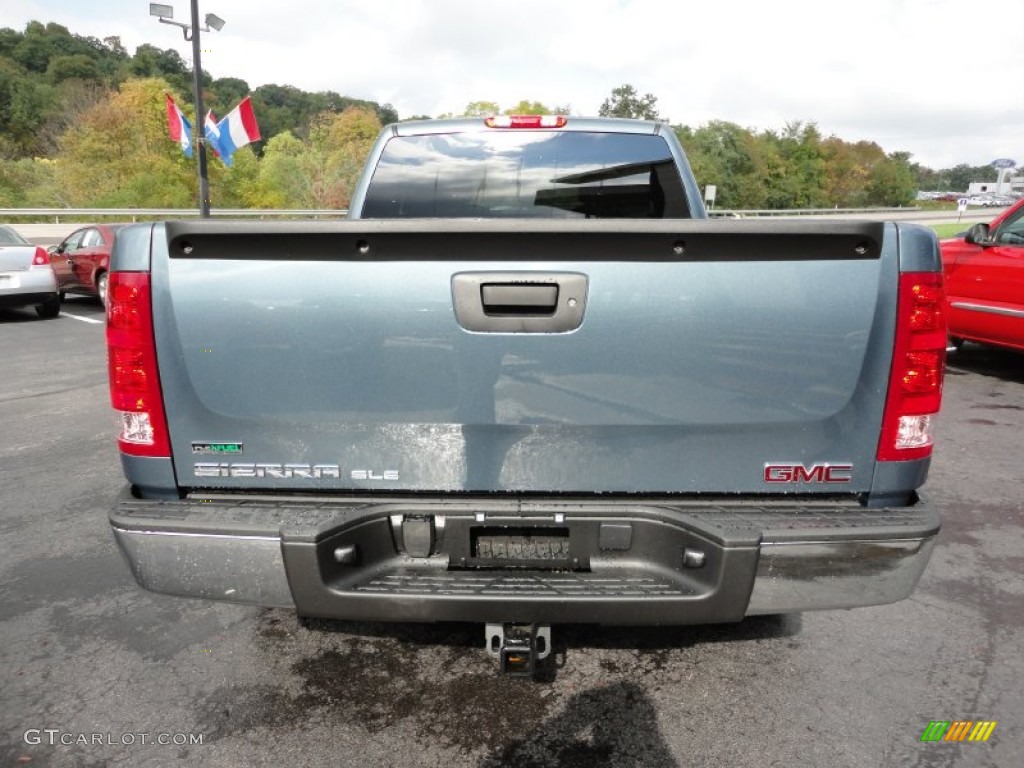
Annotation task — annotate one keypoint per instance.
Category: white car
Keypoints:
(26, 275)
(989, 201)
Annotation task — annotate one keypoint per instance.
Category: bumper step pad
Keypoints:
(567, 585)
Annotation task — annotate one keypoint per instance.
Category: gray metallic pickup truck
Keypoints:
(528, 383)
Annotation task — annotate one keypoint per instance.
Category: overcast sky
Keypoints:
(940, 79)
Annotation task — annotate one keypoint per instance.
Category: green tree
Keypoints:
(284, 107)
(281, 181)
(36, 68)
(320, 172)
(40, 46)
(10, 74)
(339, 144)
(386, 113)
(798, 180)
(119, 154)
(76, 98)
(847, 167)
(30, 183)
(961, 176)
(239, 186)
(9, 39)
(225, 93)
(626, 102)
(481, 109)
(728, 156)
(891, 182)
(116, 48)
(75, 67)
(35, 48)
(150, 61)
(27, 183)
(30, 103)
(525, 107)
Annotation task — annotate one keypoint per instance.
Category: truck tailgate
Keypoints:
(695, 356)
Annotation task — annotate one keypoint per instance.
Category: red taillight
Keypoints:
(131, 362)
(40, 259)
(526, 121)
(918, 362)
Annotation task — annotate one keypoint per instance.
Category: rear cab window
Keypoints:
(534, 174)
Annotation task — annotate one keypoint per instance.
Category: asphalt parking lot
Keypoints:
(94, 671)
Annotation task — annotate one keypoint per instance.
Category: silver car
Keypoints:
(26, 276)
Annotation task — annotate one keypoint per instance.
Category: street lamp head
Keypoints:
(161, 10)
(214, 22)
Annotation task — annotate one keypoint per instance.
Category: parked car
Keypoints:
(26, 277)
(985, 281)
(982, 201)
(1003, 200)
(81, 261)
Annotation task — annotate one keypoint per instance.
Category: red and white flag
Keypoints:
(179, 126)
(237, 129)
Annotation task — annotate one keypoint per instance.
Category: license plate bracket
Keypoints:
(513, 547)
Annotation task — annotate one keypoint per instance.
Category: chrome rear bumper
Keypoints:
(806, 576)
(628, 562)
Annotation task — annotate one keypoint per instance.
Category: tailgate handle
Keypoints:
(519, 302)
(529, 299)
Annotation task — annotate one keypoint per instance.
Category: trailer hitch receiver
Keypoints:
(518, 647)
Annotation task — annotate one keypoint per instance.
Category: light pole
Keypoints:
(191, 33)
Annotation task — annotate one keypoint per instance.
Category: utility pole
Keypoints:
(191, 33)
(200, 131)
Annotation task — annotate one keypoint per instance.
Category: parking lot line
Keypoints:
(83, 319)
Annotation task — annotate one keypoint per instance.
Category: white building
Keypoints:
(1006, 184)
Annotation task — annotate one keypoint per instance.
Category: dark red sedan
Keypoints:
(985, 281)
(81, 260)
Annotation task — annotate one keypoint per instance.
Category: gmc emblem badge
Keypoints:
(816, 473)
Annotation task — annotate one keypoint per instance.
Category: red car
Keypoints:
(81, 260)
(985, 281)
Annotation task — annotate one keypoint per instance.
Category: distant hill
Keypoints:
(48, 74)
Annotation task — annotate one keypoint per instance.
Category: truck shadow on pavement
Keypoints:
(614, 726)
(437, 683)
(569, 639)
(617, 651)
(988, 361)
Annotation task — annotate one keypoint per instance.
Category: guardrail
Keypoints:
(726, 213)
(134, 214)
